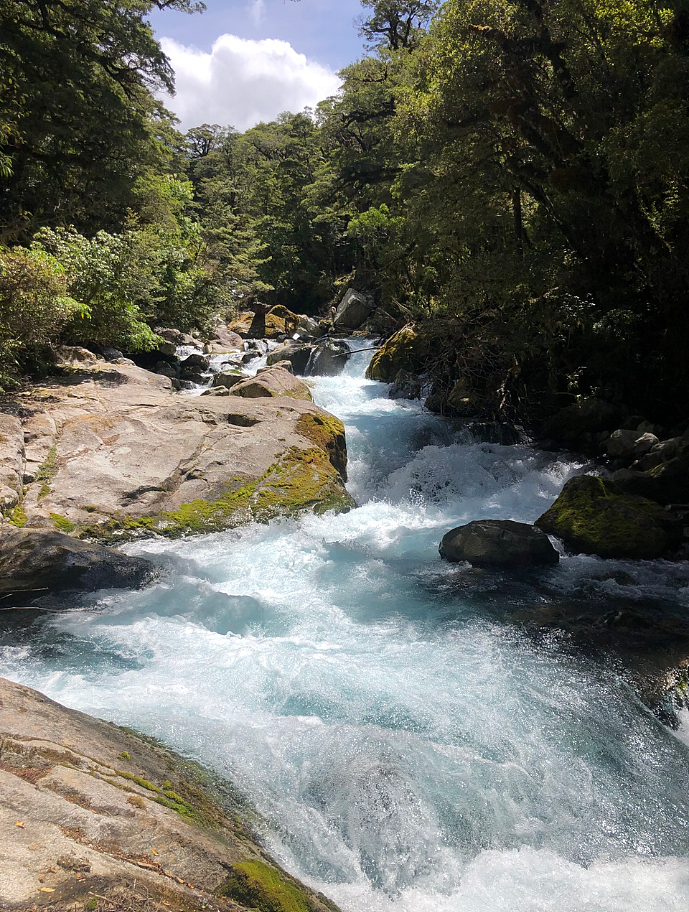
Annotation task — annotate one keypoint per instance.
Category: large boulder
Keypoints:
(593, 515)
(409, 349)
(353, 311)
(498, 543)
(297, 353)
(280, 321)
(329, 359)
(116, 456)
(224, 340)
(34, 560)
(242, 325)
(97, 817)
(271, 382)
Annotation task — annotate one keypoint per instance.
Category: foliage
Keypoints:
(35, 305)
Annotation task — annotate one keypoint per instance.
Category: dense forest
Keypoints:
(511, 175)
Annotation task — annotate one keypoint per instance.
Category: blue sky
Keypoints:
(248, 60)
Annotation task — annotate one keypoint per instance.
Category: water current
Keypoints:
(407, 746)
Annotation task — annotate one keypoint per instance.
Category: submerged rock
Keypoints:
(593, 515)
(95, 810)
(498, 543)
(32, 560)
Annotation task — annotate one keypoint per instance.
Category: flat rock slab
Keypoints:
(122, 455)
(89, 808)
(498, 543)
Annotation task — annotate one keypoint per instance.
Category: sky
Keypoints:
(245, 61)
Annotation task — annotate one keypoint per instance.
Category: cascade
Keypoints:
(406, 747)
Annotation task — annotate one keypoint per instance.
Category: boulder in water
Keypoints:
(498, 543)
(228, 379)
(328, 359)
(32, 559)
(297, 353)
(409, 349)
(594, 516)
(274, 381)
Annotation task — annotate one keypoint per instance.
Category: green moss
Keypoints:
(592, 515)
(409, 350)
(328, 433)
(301, 480)
(124, 755)
(46, 472)
(18, 517)
(258, 886)
(62, 523)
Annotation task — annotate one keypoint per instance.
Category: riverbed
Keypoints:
(407, 747)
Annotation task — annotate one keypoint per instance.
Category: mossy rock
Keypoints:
(258, 886)
(328, 433)
(242, 325)
(593, 516)
(409, 349)
(301, 481)
(280, 321)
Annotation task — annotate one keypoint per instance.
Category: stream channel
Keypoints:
(408, 747)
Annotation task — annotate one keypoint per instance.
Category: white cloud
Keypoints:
(242, 82)
(258, 9)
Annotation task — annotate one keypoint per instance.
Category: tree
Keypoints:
(396, 24)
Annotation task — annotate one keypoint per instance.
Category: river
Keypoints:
(408, 747)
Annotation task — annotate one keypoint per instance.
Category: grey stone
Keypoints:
(498, 543)
(228, 379)
(621, 444)
(353, 311)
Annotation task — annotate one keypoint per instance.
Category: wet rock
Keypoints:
(297, 353)
(196, 363)
(167, 369)
(593, 515)
(32, 560)
(353, 311)
(406, 386)
(328, 359)
(498, 543)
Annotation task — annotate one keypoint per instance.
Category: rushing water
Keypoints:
(407, 747)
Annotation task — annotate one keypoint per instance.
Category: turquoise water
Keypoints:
(408, 749)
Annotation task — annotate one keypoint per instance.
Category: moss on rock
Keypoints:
(301, 480)
(409, 349)
(593, 516)
(256, 885)
(328, 433)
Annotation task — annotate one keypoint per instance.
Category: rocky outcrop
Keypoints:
(92, 810)
(593, 515)
(498, 543)
(34, 561)
(353, 311)
(113, 454)
(409, 349)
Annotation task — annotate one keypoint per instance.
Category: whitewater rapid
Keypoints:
(406, 748)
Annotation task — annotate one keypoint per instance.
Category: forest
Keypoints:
(510, 175)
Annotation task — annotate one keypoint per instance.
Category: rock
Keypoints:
(594, 516)
(409, 350)
(167, 348)
(242, 325)
(195, 363)
(75, 355)
(280, 321)
(32, 560)
(298, 354)
(217, 391)
(644, 443)
(328, 359)
(227, 379)
(165, 369)
(590, 416)
(224, 340)
(461, 402)
(274, 381)
(498, 543)
(99, 815)
(11, 461)
(283, 365)
(112, 354)
(406, 386)
(621, 444)
(353, 311)
(310, 327)
(121, 458)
